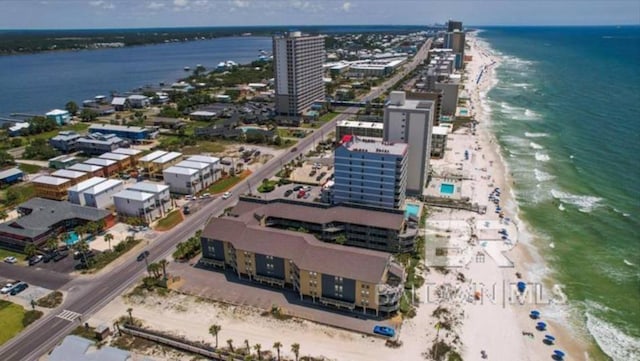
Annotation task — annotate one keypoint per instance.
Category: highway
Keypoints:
(87, 295)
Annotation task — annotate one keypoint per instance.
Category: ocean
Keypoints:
(565, 112)
(37, 83)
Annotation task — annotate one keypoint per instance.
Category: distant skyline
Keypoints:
(82, 14)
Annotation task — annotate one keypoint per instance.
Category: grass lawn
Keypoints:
(227, 183)
(206, 146)
(10, 320)
(78, 127)
(6, 253)
(23, 191)
(169, 221)
(29, 168)
(327, 117)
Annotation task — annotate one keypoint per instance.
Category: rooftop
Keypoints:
(357, 124)
(80, 349)
(167, 157)
(62, 158)
(105, 128)
(204, 159)
(373, 145)
(127, 151)
(85, 167)
(45, 179)
(45, 213)
(192, 164)
(104, 186)
(100, 161)
(86, 184)
(133, 195)
(305, 250)
(149, 187)
(66, 173)
(153, 155)
(58, 112)
(114, 156)
(9, 172)
(181, 170)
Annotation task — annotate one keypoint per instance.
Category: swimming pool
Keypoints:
(72, 238)
(447, 188)
(411, 210)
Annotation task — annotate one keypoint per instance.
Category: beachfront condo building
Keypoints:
(411, 121)
(297, 63)
(351, 224)
(322, 273)
(370, 171)
(359, 128)
(453, 25)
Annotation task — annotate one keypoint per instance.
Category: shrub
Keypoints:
(30, 317)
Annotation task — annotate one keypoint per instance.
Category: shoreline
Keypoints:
(524, 256)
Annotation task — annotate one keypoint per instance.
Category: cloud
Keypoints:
(102, 4)
(180, 3)
(241, 3)
(346, 6)
(155, 5)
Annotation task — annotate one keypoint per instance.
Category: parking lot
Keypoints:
(312, 173)
(225, 286)
(33, 292)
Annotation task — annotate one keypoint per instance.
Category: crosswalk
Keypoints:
(68, 315)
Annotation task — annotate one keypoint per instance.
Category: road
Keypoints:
(87, 295)
(34, 275)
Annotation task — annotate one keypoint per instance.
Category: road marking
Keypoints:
(68, 315)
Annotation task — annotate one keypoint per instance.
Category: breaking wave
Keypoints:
(584, 203)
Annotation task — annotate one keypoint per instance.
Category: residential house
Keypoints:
(51, 187)
(62, 161)
(91, 169)
(10, 176)
(109, 167)
(74, 176)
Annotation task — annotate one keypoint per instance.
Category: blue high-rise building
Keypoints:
(370, 171)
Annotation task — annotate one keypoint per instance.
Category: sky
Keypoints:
(75, 14)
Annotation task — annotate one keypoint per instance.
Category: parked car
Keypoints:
(297, 188)
(186, 210)
(307, 188)
(301, 194)
(307, 195)
(294, 149)
(7, 287)
(60, 256)
(288, 192)
(18, 288)
(10, 259)
(35, 259)
(143, 255)
(206, 195)
(384, 331)
(226, 195)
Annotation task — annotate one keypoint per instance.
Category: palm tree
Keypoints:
(257, 347)
(30, 250)
(4, 215)
(129, 311)
(230, 344)
(295, 348)
(155, 269)
(213, 330)
(129, 239)
(108, 238)
(80, 230)
(163, 263)
(277, 345)
(52, 243)
(83, 247)
(246, 343)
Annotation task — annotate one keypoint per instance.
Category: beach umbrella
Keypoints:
(541, 326)
(558, 354)
(521, 286)
(534, 314)
(549, 340)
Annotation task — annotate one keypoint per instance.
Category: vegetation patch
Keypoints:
(228, 182)
(102, 259)
(18, 194)
(21, 257)
(30, 317)
(267, 186)
(169, 221)
(52, 300)
(188, 249)
(11, 316)
(29, 168)
(85, 332)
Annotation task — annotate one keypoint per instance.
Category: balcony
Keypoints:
(337, 303)
(212, 262)
(269, 280)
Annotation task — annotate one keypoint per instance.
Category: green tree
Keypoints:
(213, 331)
(257, 347)
(39, 149)
(16, 142)
(83, 247)
(295, 348)
(277, 345)
(12, 196)
(52, 243)
(3, 214)
(30, 250)
(108, 238)
(88, 115)
(154, 269)
(230, 344)
(6, 159)
(71, 107)
(341, 239)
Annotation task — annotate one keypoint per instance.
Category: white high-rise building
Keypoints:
(411, 121)
(297, 63)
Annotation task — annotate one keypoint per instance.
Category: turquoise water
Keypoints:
(71, 239)
(447, 188)
(564, 111)
(411, 210)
